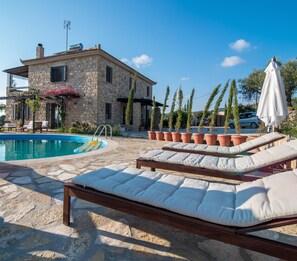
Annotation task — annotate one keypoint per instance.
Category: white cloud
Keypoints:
(185, 78)
(126, 61)
(232, 61)
(142, 60)
(240, 45)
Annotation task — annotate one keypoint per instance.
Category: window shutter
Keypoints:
(52, 74)
(64, 77)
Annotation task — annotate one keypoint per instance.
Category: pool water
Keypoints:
(20, 147)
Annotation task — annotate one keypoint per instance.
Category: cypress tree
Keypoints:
(216, 108)
(207, 105)
(235, 108)
(164, 108)
(189, 111)
(171, 114)
(153, 114)
(129, 109)
(179, 110)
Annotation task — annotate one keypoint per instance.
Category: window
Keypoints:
(16, 113)
(130, 84)
(59, 73)
(108, 74)
(108, 111)
(148, 91)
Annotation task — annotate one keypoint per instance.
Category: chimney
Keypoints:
(39, 51)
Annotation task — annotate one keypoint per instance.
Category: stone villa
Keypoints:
(101, 84)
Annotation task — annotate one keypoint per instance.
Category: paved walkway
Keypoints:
(31, 218)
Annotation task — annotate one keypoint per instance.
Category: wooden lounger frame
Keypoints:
(231, 235)
(220, 154)
(243, 176)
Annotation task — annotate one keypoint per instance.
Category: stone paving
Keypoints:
(31, 218)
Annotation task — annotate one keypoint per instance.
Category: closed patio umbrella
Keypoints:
(272, 107)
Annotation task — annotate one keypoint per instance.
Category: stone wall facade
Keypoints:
(87, 76)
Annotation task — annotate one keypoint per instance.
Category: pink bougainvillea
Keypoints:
(67, 91)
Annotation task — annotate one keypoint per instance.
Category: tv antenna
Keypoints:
(67, 25)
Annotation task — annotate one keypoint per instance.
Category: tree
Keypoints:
(164, 108)
(189, 111)
(251, 86)
(216, 108)
(34, 105)
(289, 74)
(235, 107)
(228, 110)
(207, 105)
(171, 114)
(179, 110)
(2, 107)
(153, 114)
(129, 109)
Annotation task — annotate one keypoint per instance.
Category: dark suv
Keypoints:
(247, 119)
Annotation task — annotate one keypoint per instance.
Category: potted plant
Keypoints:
(159, 134)
(167, 135)
(34, 105)
(186, 137)
(237, 139)
(176, 135)
(225, 139)
(151, 133)
(129, 109)
(211, 138)
(199, 137)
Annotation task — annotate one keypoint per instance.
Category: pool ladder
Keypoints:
(106, 129)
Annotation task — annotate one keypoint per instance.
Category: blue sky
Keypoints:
(174, 42)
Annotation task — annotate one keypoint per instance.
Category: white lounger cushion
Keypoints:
(258, 160)
(243, 205)
(246, 146)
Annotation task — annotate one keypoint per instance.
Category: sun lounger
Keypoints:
(219, 211)
(9, 126)
(231, 168)
(29, 127)
(44, 125)
(224, 151)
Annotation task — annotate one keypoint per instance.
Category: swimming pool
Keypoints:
(35, 146)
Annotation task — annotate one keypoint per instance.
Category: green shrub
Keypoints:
(83, 128)
(116, 130)
(63, 130)
(73, 130)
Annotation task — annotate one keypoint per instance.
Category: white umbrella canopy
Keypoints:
(272, 107)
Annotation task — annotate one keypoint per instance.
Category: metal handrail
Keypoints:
(103, 128)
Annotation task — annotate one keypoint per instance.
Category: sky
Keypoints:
(188, 43)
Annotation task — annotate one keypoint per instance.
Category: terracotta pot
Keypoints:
(211, 139)
(198, 138)
(224, 140)
(176, 136)
(151, 135)
(167, 136)
(159, 135)
(186, 137)
(238, 139)
(252, 137)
